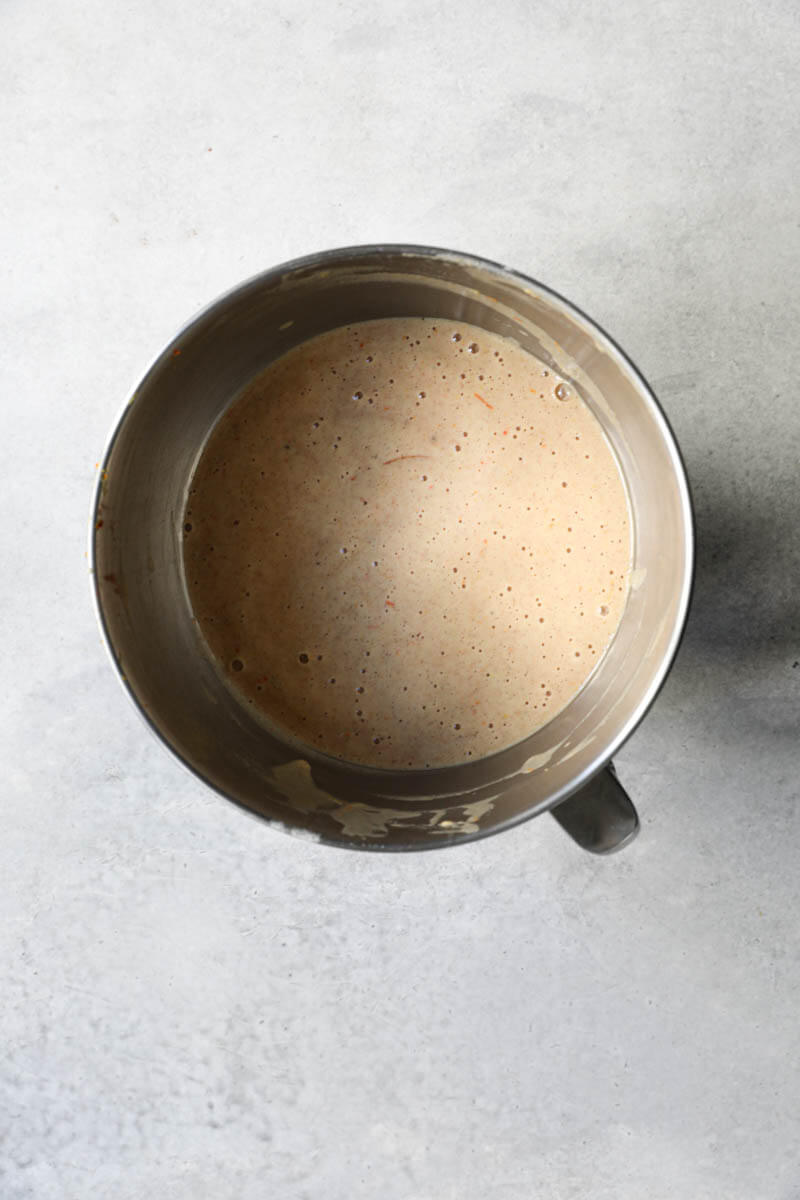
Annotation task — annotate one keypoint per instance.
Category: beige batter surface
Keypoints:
(408, 543)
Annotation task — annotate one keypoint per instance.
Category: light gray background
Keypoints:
(193, 1006)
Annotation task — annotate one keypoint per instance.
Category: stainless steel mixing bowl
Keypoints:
(144, 607)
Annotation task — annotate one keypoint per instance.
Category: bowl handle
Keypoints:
(600, 817)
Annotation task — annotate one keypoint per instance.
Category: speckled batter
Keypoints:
(407, 543)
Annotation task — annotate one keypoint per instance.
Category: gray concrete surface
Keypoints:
(193, 1006)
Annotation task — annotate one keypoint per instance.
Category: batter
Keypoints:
(407, 543)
